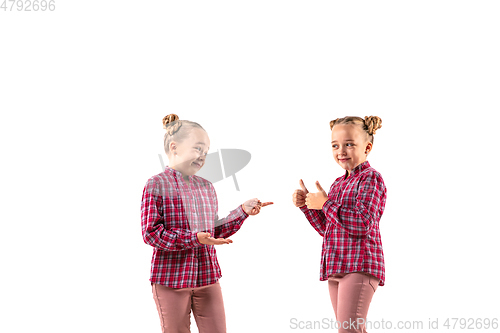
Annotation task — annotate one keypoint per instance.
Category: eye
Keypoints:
(334, 146)
(197, 148)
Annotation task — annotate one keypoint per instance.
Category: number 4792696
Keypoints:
(28, 5)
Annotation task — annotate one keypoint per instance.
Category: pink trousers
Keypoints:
(175, 304)
(351, 294)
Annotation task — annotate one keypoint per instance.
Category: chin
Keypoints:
(193, 170)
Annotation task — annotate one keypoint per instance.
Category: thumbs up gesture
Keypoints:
(299, 196)
(316, 200)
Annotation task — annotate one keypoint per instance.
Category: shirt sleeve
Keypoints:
(316, 218)
(154, 232)
(358, 215)
(227, 226)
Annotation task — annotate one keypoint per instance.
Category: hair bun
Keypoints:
(332, 122)
(169, 119)
(373, 123)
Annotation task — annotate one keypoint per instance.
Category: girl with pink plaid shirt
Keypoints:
(352, 259)
(179, 220)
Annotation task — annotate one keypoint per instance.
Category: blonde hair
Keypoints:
(369, 125)
(177, 130)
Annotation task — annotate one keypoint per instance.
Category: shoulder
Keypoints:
(158, 184)
(372, 176)
(158, 179)
(370, 172)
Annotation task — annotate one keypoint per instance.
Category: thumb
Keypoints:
(319, 187)
(303, 186)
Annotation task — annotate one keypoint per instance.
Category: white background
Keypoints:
(83, 90)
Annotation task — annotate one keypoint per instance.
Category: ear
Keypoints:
(172, 147)
(369, 146)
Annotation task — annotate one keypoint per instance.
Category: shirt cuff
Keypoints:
(330, 205)
(304, 208)
(243, 213)
(194, 242)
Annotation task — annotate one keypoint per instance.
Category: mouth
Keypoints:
(197, 164)
(343, 159)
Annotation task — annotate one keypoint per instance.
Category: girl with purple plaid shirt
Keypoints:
(180, 221)
(352, 259)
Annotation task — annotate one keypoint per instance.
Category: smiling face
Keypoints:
(189, 155)
(349, 143)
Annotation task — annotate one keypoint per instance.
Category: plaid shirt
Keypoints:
(172, 212)
(349, 224)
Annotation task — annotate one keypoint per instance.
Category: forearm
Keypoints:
(170, 240)
(316, 218)
(354, 221)
(229, 225)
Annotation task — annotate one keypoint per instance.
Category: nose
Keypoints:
(341, 152)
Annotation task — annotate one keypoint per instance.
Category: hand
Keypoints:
(204, 238)
(253, 206)
(316, 200)
(299, 196)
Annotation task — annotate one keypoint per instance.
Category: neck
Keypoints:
(185, 177)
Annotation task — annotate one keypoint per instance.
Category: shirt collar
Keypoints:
(175, 173)
(357, 169)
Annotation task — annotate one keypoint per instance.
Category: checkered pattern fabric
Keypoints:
(172, 213)
(349, 224)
